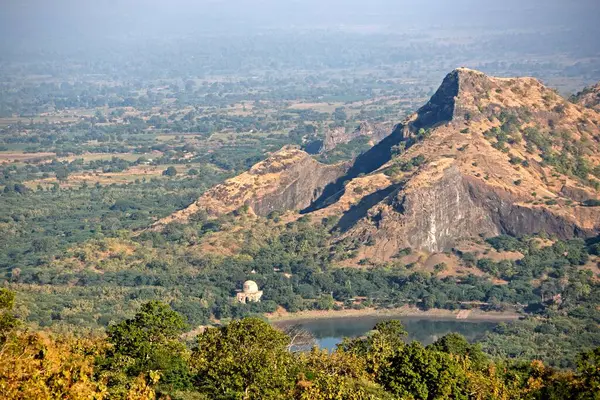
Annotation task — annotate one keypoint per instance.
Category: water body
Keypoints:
(330, 331)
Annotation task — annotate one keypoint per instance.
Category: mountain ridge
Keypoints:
(484, 156)
(288, 179)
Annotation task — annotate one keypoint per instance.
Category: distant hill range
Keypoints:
(485, 156)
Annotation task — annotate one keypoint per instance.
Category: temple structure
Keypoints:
(249, 293)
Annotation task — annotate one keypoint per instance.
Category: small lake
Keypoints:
(330, 331)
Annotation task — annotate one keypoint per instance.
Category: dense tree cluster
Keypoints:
(145, 357)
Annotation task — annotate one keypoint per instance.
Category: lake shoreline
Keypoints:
(410, 312)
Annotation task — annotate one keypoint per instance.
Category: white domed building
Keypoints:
(249, 293)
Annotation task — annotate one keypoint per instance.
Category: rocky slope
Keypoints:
(375, 132)
(289, 179)
(589, 97)
(484, 156)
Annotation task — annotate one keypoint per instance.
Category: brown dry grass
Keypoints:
(87, 157)
(16, 156)
(128, 176)
(319, 107)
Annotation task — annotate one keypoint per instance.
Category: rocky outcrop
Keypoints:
(437, 215)
(578, 194)
(589, 97)
(434, 217)
(289, 179)
(299, 184)
(336, 136)
(440, 108)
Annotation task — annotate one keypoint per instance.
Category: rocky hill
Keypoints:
(289, 179)
(484, 156)
(589, 97)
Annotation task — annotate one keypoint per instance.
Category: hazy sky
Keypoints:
(59, 28)
(137, 17)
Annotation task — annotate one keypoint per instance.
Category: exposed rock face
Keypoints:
(441, 107)
(290, 179)
(430, 217)
(454, 206)
(301, 181)
(578, 194)
(337, 136)
(589, 97)
(435, 216)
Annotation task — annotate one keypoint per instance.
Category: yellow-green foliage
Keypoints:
(144, 358)
(37, 366)
(338, 375)
(40, 366)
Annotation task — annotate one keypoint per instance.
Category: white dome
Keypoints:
(250, 287)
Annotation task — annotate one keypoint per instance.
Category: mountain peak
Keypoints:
(467, 93)
(484, 156)
(448, 102)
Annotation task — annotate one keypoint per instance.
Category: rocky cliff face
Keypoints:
(454, 206)
(290, 179)
(336, 136)
(301, 180)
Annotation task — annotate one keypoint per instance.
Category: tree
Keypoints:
(588, 367)
(125, 205)
(171, 171)
(190, 85)
(417, 373)
(99, 117)
(378, 347)
(325, 302)
(39, 366)
(20, 188)
(62, 174)
(428, 301)
(245, 359)
(454, 343)
(300, 338)
(44, 244)
(339, 114)
(7, 319)
(336, 376)
(149, 342)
